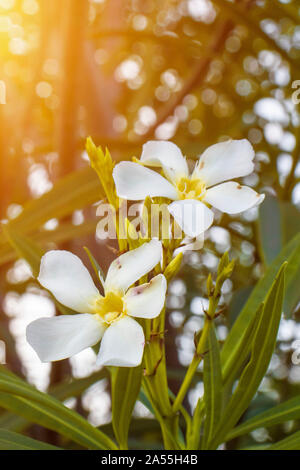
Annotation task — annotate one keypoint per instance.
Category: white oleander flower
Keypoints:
(193, 194)
(108, 318)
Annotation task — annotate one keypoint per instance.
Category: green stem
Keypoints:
(155, 362)
(166, 425)
(156, 383)
(201, 348)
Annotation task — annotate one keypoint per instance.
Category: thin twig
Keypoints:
(197, 77)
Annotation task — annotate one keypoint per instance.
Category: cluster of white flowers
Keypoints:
(109, 318)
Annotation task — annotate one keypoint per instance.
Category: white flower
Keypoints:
(193, 193)
(108, 318)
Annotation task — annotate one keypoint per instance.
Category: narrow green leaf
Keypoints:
(64, 232)
(236, 361)
(290, 216)
(292, 293)
(61, 391)
(289, 443)
(269, 223)
(12, 422)
(188, 421)
(194, 430)
(212, 377)
(164, 428)
(75, 387)
(14, 441)
(47, 411)
(261, 352)
(126, 385)
(278, 414)
(26, 249)
(291, 254)
(97, 269)
(143, 399)
(76, 191)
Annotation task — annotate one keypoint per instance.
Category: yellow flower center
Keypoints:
(191, 188)
(110, 308)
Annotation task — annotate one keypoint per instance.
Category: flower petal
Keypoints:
(122, 344)
(147, 300)
(131, 266)
(189, 245)
(64, 274)
(225, 161)
(166, 155)
(135, 182)
(61, 337)
(192, 216)
(233, 198)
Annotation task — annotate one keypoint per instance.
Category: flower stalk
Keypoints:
(214, 293)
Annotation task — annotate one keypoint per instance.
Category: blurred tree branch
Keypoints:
(196, 78)
(73, 37)
(241, 15)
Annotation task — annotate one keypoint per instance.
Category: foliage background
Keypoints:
(124, 72)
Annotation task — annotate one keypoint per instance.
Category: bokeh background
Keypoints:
(126, 71)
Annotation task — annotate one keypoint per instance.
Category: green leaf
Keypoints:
(290, 216)
(289, 443)
(288, 410)
(26, 249)
(146, 398)
(291, 254)
(193, 430)
(14, 441)
(261, 352)
(269, 223)
(237, 360)
(186, 416)
(212, 378)
(75, 191)
(292, 293)
(47, 411)
(237, 303)
(126, 385)
(143, 399)
(12, 422)
(61, 391)
(75, 387)
(97, 269)
(65, 232)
